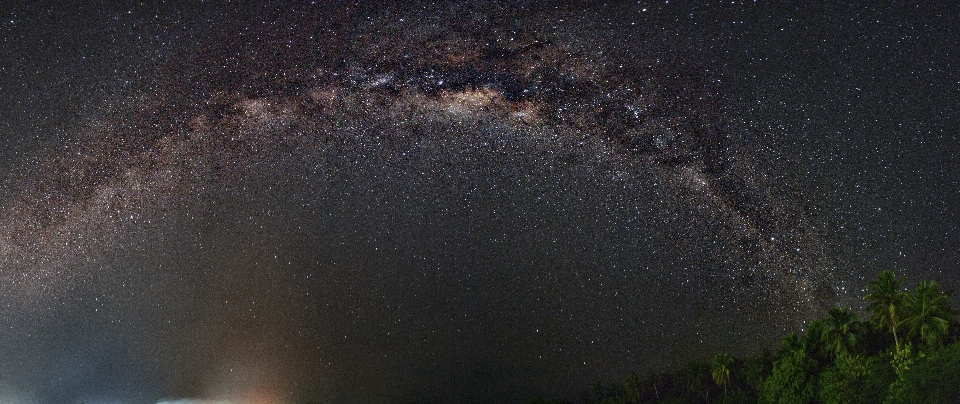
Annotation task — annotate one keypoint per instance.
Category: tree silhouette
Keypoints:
(839, 336)
(886, 300)
(927, 314)
(794, 375)
(632, 387)
(839, 359)
(694, 376)
(721, 371)
(654, 380)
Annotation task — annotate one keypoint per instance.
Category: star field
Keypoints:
(435, 203)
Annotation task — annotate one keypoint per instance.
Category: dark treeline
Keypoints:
(907, 351)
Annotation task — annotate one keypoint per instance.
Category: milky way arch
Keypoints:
(523, 93)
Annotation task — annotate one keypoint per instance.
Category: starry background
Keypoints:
(417, 202)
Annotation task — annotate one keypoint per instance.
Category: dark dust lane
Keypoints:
(406, 203)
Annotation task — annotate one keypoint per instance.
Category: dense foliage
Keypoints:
(908, 351)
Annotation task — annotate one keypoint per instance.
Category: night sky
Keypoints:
(422, 202)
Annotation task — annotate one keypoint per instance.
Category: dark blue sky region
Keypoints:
(479, 202)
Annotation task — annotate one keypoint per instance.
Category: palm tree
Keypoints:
(927, 314)
(694, 375)
(886, 299)
(839, 337)
(721, 371)
(654, 379)
(813, 342)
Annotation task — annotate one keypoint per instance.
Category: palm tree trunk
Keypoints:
(893, 325)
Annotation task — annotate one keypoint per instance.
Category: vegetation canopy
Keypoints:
(906, 351)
